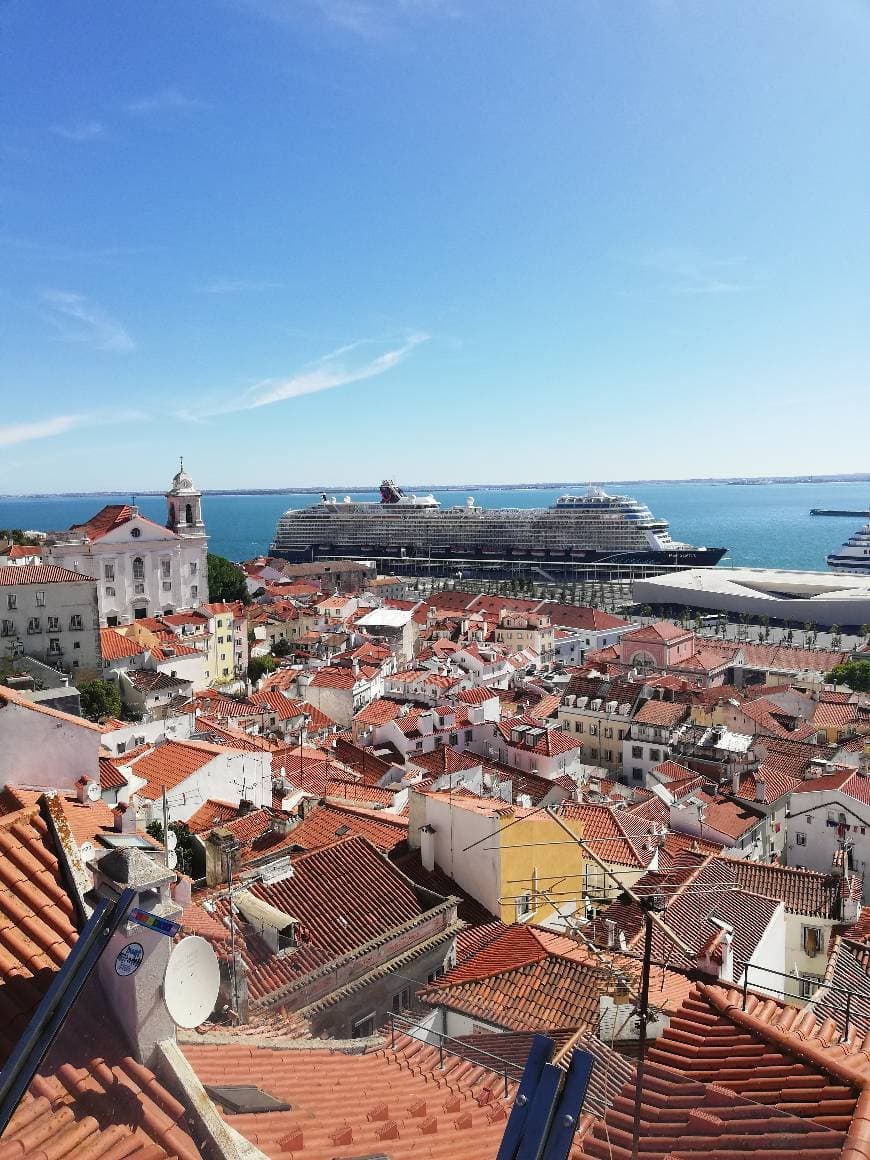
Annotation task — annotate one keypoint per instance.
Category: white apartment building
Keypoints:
(50, 613)
(141, 568)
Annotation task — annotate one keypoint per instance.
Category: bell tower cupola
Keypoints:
(184, 504)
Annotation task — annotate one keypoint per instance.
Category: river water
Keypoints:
(762, 525)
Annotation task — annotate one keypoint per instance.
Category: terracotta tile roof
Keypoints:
(694, 892)
(22, 551)
(326, 824)
(661, 713)
(72, 1107)
(476, 696)
(112, 516)
(513, 946)
(550, 742)
(378, 712)
(111, 724)
(110, 776)
(342, 895)
(86, 820)
(398, 1101)
(40, 574)
(679, 849)
(37, 920)
(576, 616)
(772, 783)
(835, 715)
(721, 1083)
(171, 763)
(847, 781)
(445, 760)
(335, 677)
(659, 630)
(211, 813)
(802, 891)
(474, 938)
(114, 646)
(359, 792)
(546, 707)
(790, 658)
(154, 681)
(726, 816)
(616, 836)
(221, 734)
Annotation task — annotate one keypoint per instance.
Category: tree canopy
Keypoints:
(226, 580)
(258, 667)
(99, 700)
(854, 674)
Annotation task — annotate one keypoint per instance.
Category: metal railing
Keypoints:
(507, 1070)
(829, 988)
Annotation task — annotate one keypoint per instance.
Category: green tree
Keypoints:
(281, 647)
(854, 674)
(258, 667)
(864, 630)
(226, 580)
(99, 700)
(185, 849)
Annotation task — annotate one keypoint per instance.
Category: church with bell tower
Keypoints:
(142, 568)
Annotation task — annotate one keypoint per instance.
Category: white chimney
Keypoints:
(427, 847)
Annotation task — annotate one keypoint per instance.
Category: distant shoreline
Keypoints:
(749, 481)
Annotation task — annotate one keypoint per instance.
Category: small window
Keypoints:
(194, 592)
(655, 755)
(54, 624)
(165, 569)
(362, 1028)
(139, 589)
(33, 624)
(75, 622)
(108, 571)
(637, 773)
(193, 567)
(800, 838)
(135, 533)
(637, 751)
(40, 599)
(812, 940)
(11, 600)
(53, 646)
(167, 585)
(809, 985)
(8, 628)
(524, 906)
(138, 568)
(402, 1001)
(110, 591)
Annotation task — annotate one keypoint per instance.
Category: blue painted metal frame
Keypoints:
(57, 1003)
(548, 1105)
(539, 1057)
(570, 1106)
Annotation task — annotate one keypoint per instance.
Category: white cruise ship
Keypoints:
(854, 555)
(593, 527)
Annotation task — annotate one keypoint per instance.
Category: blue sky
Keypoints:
(449, 241)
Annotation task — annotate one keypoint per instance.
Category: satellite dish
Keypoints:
(171, 840)
(87, 851)
(191, 982)
(93, 791)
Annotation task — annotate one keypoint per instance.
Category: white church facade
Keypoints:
(141, 568)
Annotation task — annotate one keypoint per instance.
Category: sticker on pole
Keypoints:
(129, 959)
(154, 922)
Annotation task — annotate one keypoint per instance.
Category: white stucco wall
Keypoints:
(45, 750)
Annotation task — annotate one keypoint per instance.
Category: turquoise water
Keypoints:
(763, 525)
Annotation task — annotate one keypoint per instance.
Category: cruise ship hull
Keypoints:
(416, 554)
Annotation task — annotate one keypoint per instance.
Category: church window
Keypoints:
(188, 514)
(135, 533)
(138, 568)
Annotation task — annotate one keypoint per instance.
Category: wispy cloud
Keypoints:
(79, 320)
(367, 19)
(51, 251)
(14, 433)
(685, 270)
(236, 286)
(336, 369)
(81, 131)
(170, 99)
